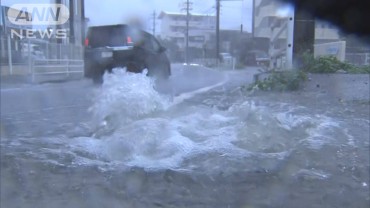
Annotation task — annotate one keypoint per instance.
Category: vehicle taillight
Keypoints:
(129, 40)
(86, 42)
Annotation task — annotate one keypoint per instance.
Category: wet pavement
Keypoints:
(197, 140)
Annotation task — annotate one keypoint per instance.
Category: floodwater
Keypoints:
(222, 147)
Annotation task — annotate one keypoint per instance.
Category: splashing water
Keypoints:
(125, 97)
(134, 125)
(141, 127)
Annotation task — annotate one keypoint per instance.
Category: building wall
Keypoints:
(268, 10)
(173, 27)
(325, 31)
(337, 49)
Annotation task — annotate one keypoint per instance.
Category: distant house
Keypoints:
(173, 27)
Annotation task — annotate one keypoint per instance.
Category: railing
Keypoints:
(56, 66)
(359, 59)
(22, 52)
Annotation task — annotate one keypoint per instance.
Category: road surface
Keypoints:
(197, 140)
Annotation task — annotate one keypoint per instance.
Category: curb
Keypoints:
(39, 79)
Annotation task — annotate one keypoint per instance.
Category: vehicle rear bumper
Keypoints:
(106, 58)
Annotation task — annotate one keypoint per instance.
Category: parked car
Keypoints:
(226, 58)
(112, 46)
(257, 57)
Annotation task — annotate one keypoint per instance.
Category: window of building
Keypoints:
(197, 38)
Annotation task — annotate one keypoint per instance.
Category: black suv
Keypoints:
(112, 46)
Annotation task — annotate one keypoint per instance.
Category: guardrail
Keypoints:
(56, 66)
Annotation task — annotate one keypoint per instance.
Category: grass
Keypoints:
(292, 80)
(330, 64)
(280, 81)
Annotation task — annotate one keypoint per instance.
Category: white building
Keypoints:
(173, 27)
(271, 15)
(269, 11)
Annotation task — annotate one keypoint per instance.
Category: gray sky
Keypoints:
(233, 13)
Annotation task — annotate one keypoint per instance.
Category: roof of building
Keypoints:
(9, 12)
(163, 13)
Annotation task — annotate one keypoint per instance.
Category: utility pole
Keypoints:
(83, 21)
(218, 5)
(187, 9)
(72, 8)
(154, 16)
(253, 16)
(187, 32)
(217, 30)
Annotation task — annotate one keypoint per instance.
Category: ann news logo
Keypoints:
(27, 16)
(38, 14)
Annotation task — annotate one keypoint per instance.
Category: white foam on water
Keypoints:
(126, 96)
(134, 125)
(323, 133)
(138, 129)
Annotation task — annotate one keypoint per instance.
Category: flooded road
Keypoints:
(197, 140)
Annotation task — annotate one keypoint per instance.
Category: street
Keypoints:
(195, 140)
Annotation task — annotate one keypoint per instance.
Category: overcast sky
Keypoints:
(233, 13)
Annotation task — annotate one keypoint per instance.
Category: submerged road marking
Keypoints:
(188, 95)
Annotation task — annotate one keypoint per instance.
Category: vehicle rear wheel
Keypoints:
(97, 76)
(166, 73)
(88, 69)
(159, 72)
(134, 67)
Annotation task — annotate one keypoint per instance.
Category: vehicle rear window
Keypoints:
(107, 36)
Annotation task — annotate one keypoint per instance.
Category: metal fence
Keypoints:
(359, 59)
(64, 67)
(24, 57)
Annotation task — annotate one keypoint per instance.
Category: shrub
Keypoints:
(292, 80)
(330, 64)
(281, 81)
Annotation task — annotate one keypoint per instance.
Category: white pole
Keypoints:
(67, 67)
(290, 36)
(30, 70)
(233, 63)
(60, 51)
(10, 56)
